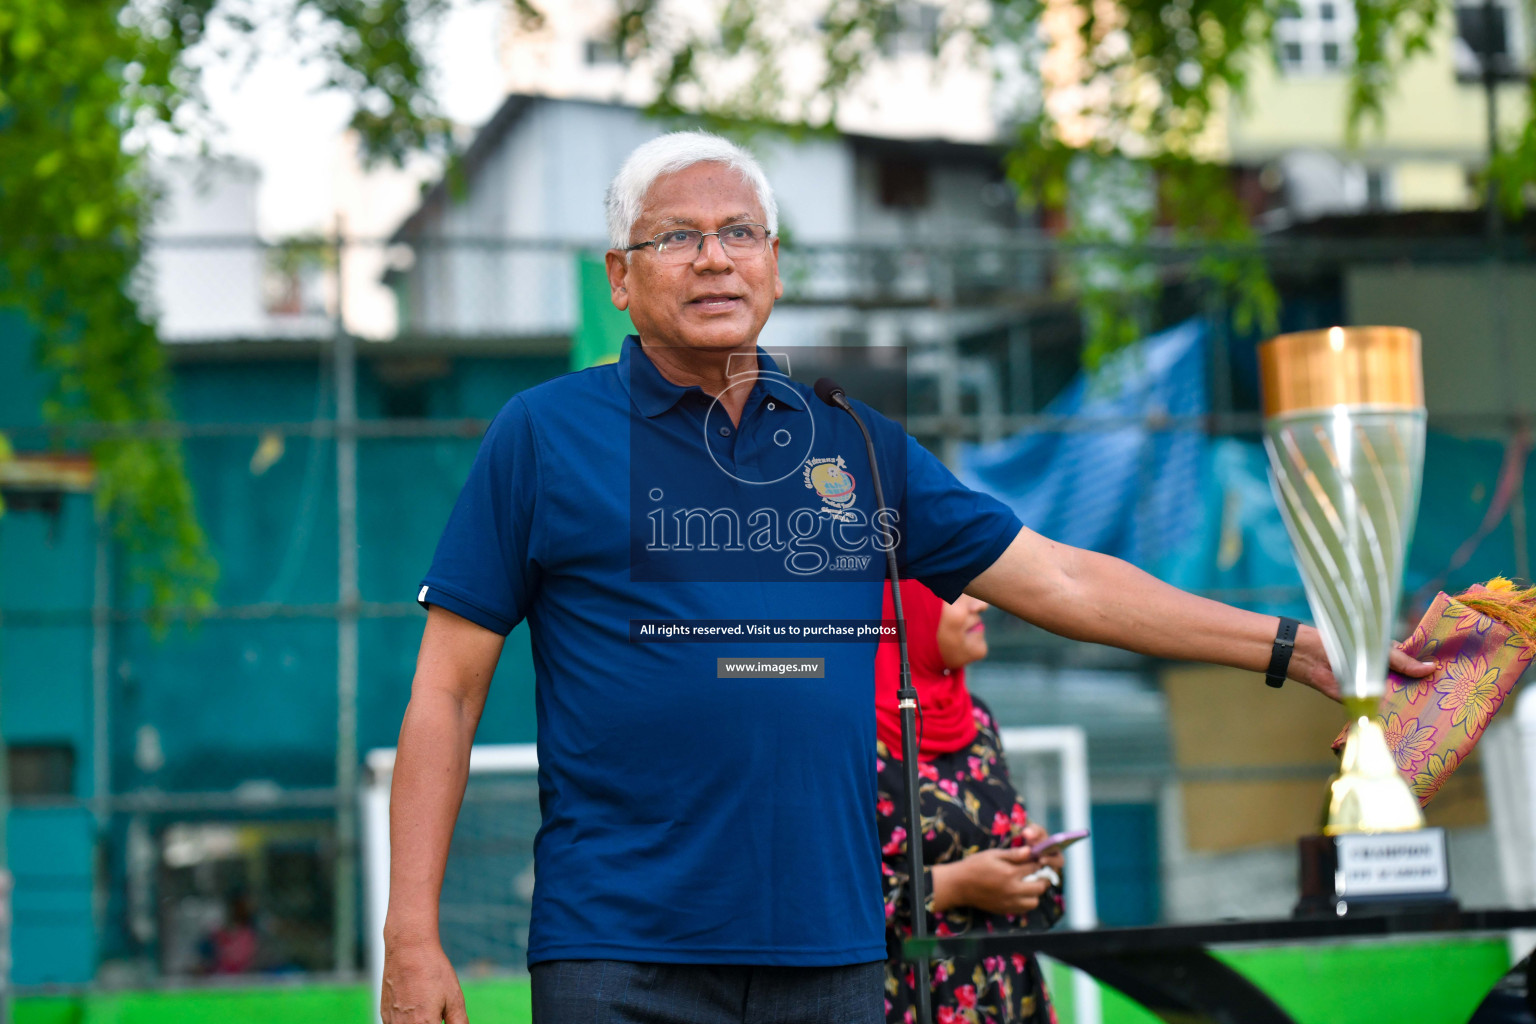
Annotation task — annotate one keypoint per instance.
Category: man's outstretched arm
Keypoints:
(453, 676)
(1084, 595)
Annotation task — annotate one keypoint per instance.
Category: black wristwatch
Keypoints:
(1280, 655)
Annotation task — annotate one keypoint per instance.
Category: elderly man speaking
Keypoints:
(708, 850)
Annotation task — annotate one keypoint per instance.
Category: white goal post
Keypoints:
(489, 881)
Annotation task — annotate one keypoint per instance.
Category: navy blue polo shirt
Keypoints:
(689, 818)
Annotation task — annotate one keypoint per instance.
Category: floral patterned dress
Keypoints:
(968, 804)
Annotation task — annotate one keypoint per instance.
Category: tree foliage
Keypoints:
(81, 83)
(1138, 81)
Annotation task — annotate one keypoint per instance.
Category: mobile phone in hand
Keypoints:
(1061, 840)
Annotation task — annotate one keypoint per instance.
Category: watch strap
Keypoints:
(1280, 654)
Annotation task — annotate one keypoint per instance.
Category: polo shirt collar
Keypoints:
(653, 394)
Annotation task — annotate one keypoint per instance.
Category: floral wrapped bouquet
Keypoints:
(1480, 641)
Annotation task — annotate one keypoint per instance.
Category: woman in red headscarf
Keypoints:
(976, 833)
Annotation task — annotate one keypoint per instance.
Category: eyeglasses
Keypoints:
(683, 245)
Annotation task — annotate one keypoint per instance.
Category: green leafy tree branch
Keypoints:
(1153, 79)
(81, 82)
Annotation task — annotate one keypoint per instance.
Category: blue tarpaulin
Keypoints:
(1197, 511)
(1115, 485)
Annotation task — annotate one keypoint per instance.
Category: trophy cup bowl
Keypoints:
(1344, 428)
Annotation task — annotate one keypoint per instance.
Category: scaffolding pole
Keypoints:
(101, 734)
(344, 355)
(5, 877)
(5, 886)
(1497, 284)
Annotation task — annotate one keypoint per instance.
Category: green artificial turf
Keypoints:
(498, 1001)
(1363, 983)
(1439, 982)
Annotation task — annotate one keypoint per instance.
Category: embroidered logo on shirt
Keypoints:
(832, 482)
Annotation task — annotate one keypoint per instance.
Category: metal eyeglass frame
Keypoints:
(661, 246)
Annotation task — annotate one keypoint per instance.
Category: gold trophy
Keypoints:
(1344, 428)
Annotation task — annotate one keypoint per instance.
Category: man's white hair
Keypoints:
(669, 154)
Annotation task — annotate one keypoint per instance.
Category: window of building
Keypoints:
(407, 386)
(405, 401)
(245, 897)
(1490, 35)
(41, 769)
(38, 483)
(1378, 193)
(1316, 37)
(603, 51)
(903, 183)
(911, 28)
(34, 499)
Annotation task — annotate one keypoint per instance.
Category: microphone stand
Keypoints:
(906, 703)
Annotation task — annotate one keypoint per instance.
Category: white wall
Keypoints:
(202, 291)
(204, 266)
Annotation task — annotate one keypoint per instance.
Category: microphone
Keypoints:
(831, 392)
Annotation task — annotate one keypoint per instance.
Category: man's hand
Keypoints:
(1309, 663)
(453, 676)
(420, 986)
(993, 880)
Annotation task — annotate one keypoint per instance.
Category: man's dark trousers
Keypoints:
(618, 992)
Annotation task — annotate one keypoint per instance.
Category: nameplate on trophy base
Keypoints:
(1392, 864)
(1373, 872)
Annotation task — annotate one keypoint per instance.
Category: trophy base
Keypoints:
(1374, 874)
(1378, 906)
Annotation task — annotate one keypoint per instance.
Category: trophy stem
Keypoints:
(1368, 794)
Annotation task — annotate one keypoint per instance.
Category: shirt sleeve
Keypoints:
(951, 533)
(485, 568)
